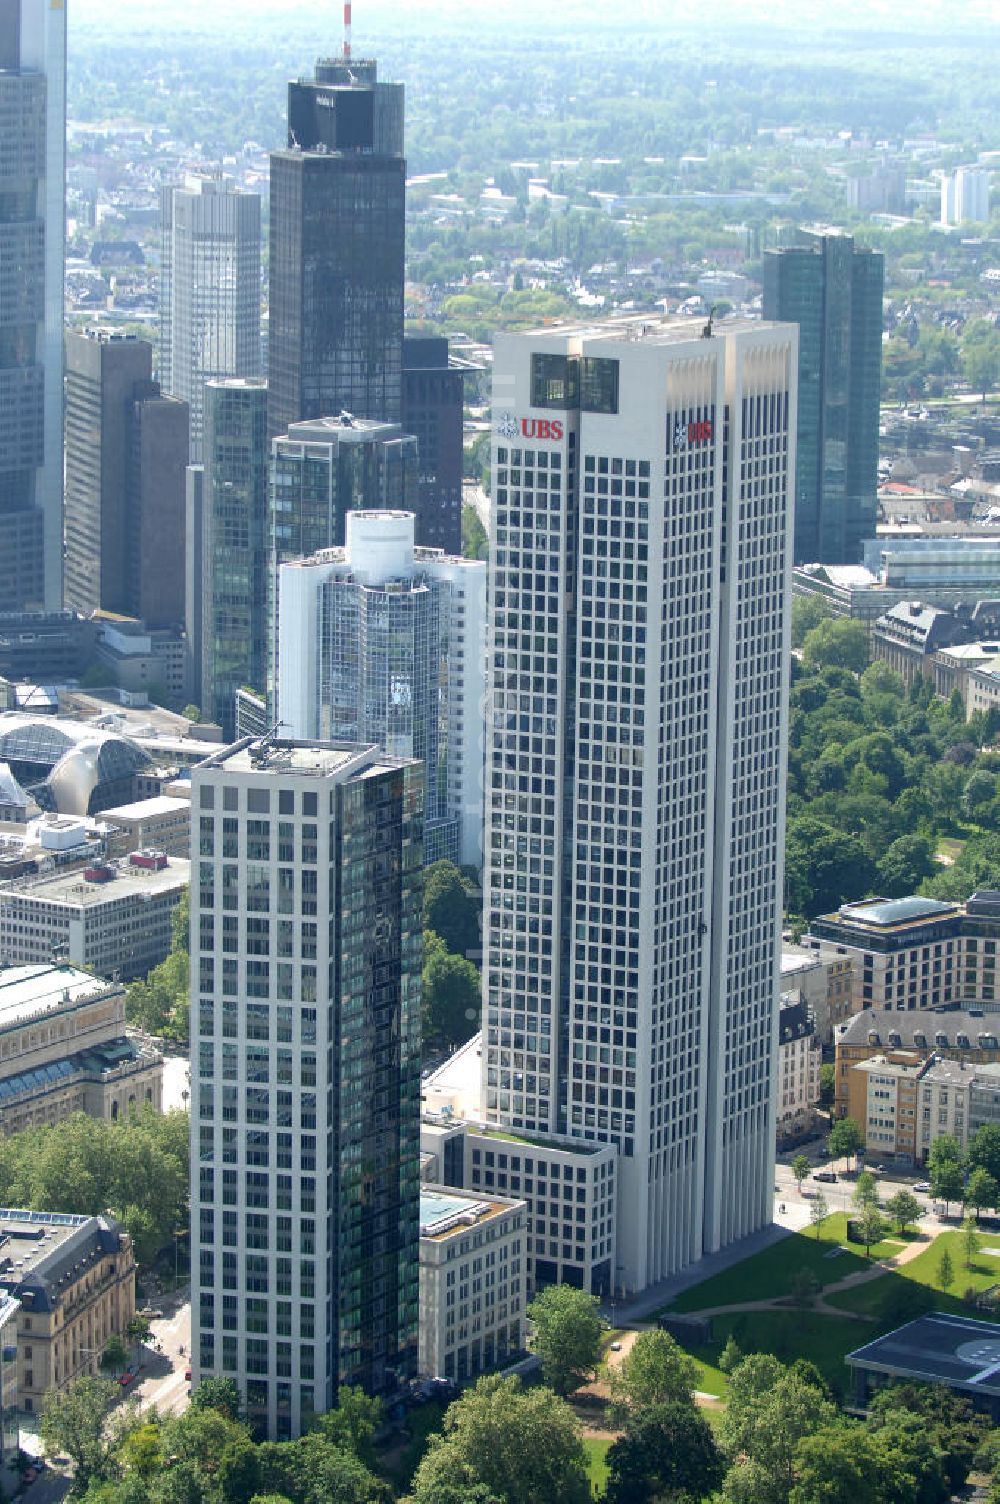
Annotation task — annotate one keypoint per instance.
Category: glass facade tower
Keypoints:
(833, 291)
(388, 642)
(32, 239)
(305, 1009)
(335, 335)
(234, 550)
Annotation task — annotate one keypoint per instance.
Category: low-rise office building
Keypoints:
(569, 1184)
(74, 1280)
(112, 918)
(159, 824)
(473, 1288)
(64, 1049)
(915, 953)
(822, 979)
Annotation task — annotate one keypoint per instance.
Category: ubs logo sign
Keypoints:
(510, 427)
(688, 434)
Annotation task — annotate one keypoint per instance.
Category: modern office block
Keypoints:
(157, 462)
(305, 1006)
(126, 454)
(383, 642)
(335, 328)
(235, 542)
(472, 1263)
(111, 918)
(32, 240)
(634, 787)
(325, 468)
(833, 291)
(209, 291)
(194, 565)
(433, 412)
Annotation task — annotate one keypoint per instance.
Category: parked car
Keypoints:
(187, 1375)
(126, 1378)
(827, 1176)
(923, 1186)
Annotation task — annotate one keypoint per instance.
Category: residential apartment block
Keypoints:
(972, 1036)
(799, 1056)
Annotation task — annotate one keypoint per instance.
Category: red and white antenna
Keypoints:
(347, 28)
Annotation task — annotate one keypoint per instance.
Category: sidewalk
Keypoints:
(637, 1308)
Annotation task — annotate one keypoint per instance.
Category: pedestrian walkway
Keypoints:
(638, 1307)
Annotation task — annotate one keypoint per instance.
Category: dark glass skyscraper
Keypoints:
(433, 393)
(305, 1074)
(833, 291)
(235, 541)
(335, 336)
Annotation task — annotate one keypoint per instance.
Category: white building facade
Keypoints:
(473, 1288)
(636, 739)
(380, 641)
(209, 291)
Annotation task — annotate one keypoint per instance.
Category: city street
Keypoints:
(161, 1382)
(838, 1194)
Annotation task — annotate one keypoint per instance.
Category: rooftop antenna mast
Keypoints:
(347, 30)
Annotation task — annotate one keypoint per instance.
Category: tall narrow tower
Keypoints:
(638, 653)
(305, 1087)
(32, 245)
(209, 291)
(833, 290)
(335, 336)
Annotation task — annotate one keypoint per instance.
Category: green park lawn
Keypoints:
(880, 1299)
(788, 1334)
(768, 1275)
(597, 1466)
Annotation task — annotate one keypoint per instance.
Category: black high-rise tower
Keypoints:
(335, 339)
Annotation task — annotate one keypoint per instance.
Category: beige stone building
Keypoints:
(162, 823)
(75, 1280)
(64, 1049)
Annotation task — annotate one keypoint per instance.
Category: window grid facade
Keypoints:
(305, 995)
(635, 754)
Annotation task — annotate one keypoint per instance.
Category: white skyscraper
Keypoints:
(209, 291)
(383, 642)
(32, 252)
(634, 787)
